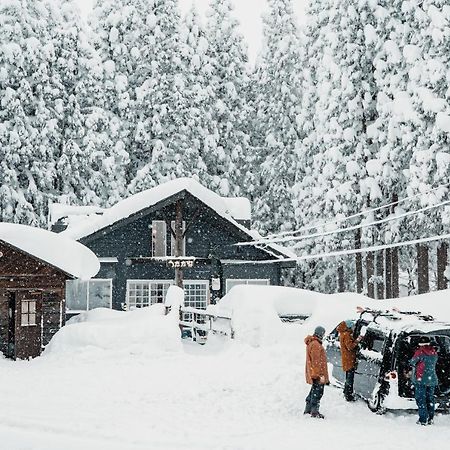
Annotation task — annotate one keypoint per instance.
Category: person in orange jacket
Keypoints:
(316, 371)
(349, 348)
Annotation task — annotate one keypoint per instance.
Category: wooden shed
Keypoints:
(34, 267)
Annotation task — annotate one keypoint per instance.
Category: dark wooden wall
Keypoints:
(20, 273)
(209, 234)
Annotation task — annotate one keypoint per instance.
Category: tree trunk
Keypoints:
(442, 261)
(369, 275)
(380, 274)
(341, 282)
(359, 263)
(423, 280)
(179, 241)
(394, 267)
(388, 272)
(395, 293)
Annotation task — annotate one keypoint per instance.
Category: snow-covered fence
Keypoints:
(201, 323)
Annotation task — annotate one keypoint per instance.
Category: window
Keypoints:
(99, 294)
(258, 282)
(76, 295)
(159, 238)
(145, 293)
(28, 311)
(142, 293)
(172, 240)
(195, 296)
(86, 295)
(373, 341)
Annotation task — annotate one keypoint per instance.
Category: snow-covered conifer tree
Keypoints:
(277, 129)
(29, 131)
(227, 143)
(193, 90)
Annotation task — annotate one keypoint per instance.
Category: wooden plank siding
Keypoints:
(210, 237)
(24, 277)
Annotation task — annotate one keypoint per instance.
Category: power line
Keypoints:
(353, 216)
(370, 224)
(347, 252)
(343, 230)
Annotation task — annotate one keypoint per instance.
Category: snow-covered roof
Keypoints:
(409, 324)
(58, 211)
(150, 197)
(59, 251)
(239, 207)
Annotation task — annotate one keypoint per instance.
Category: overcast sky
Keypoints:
(247, 11)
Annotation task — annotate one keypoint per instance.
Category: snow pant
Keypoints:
(349, 380)
(314, 397)
(425, 402)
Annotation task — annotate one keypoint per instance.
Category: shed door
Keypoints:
(28, 323)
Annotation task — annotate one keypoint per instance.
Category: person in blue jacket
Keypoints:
(424, 379)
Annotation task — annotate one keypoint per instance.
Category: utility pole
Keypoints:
(179, 241)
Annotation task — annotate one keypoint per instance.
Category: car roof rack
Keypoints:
(376, 313)
(394, 314)
(418, 314)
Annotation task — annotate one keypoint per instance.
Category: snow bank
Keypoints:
(255, 310)
(145, 330)
(59, 251)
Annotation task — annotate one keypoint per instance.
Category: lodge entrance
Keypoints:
(24, 324)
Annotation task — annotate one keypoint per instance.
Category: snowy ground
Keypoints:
(224, 395)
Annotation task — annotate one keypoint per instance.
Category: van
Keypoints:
(382, 375)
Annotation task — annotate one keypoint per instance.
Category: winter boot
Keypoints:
(317, 415)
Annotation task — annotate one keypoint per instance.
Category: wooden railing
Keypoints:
(201, 323)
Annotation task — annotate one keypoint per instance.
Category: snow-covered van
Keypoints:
(382, 375)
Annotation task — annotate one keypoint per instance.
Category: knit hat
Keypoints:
(349, 323)
(424, 340)
(319, 332)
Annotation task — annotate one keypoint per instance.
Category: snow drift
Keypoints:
(255, 310)
(145, 330)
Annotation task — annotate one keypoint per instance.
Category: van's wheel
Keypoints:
(375, 403)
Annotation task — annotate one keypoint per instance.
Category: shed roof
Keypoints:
(226, 208)
(61, 252)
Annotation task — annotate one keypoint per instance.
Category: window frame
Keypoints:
(28, 313)
(94, 280)
(172, 239)
(153, 240)
(205, 283)
(110, 280)
(246, 280)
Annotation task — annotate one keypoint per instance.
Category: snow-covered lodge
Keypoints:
(34, 267)
(139, 251)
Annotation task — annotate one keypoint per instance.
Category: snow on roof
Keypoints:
(59, 251)
(58, 211)
(150, 197)
(239, 207)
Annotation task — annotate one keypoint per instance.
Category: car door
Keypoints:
(333, 350)
(370, 358)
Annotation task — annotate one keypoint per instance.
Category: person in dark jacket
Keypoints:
(316, 371)
(425, 379)
(349, 348)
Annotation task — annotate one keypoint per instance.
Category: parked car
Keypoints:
(382, 376)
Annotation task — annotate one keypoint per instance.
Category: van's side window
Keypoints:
(374, 341)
